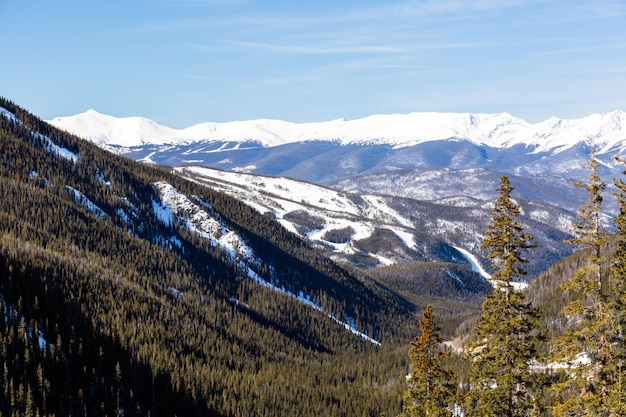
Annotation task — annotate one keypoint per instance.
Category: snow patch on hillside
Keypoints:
(305, 299)
(175, 203)
(4, 112)
(51, 147)
(87, 203)
(476, 266)
(381, 210)
(55, 149)
(283, 190)
(102, 180)
(406, 236)
(352, 328)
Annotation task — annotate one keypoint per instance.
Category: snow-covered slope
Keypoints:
(370, 230)
(399, 130)
(316, 212)
(197, 218)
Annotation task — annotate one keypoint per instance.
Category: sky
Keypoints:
(183, 62)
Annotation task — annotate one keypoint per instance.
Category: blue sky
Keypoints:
(182, 62)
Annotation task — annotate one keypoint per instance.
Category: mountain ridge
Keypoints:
(499, 130)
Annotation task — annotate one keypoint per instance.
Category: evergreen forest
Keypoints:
(108, 309)
(104, 315)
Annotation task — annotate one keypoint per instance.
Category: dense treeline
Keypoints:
(104, 315)
(454, 291)
(546, 291)
(554, 349)
(56, 363)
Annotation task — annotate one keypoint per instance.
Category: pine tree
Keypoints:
(431, 389)
(501, 381)
(616, 365)
(585, 346)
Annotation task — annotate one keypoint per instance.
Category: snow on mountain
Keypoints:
(174, 204)
(388, 163)
(368, 230)
(51, 147)
(399, 130)
(607, 131)
(4, 112)
(104, 130)
(81, 199)
(372, 230)
(310, 210)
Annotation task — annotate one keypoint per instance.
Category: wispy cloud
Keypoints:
(203, 46)
(197, 3)
(432, 8)
(577, 49)
(592, 10)
(318, 49)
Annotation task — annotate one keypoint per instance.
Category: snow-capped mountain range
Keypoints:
(399, 130)
(327, 152)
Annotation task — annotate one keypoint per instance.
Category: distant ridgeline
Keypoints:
(326, 152)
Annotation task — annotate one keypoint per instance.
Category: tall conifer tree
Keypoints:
(616, 365)
(585, 345)
(501, 381)
(431, 384)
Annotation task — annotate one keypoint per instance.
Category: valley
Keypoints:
(147, 293)
(158, 271)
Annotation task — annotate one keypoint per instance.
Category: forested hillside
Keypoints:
(111, 307)
(126, 289)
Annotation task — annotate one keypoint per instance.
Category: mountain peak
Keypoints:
(104, 129)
